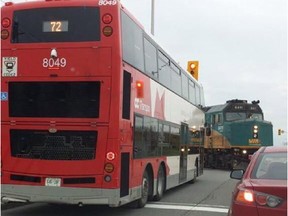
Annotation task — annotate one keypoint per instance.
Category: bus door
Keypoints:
(183, 152)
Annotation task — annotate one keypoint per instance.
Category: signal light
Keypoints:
(192, 68)
(107, 178)
(245, 196)
(107, 18)
(110, 156)
(254, 197)
(107, 31)
(139, 89)
(5, 22)
(4, 34)
(255, 135)
(8, 3)
(109, 167)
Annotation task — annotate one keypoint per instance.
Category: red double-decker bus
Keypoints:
(94, 111)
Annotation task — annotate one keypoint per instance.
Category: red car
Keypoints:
(262, 190)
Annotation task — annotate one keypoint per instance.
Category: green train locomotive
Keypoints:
(234, 131)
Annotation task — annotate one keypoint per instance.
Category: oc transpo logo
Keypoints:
(9, 66)
(140, 105)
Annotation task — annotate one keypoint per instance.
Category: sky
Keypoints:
(241, 46)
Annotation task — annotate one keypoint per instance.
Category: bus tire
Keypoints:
(144, 191)
(160, 187)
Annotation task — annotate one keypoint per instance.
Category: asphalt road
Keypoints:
(210, 195)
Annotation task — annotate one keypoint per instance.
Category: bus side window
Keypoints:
(164, 70)
(150, 55)
(138, 137)
(126, 95)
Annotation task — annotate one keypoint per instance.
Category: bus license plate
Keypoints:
(54, 182)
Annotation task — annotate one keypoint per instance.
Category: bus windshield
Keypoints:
(64, 24)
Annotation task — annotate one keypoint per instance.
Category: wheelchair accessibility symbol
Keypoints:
(9, 66)
(4, 96)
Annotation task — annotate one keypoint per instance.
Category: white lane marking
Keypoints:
(188, 208)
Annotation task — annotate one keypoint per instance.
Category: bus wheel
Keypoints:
(160, 184)
(144, 191)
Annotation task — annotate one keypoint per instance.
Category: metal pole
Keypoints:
(152, 16)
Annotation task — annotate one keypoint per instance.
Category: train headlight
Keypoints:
(255, 131)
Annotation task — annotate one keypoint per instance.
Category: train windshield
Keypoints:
(64, 24)
(236, 116)
(258, 116)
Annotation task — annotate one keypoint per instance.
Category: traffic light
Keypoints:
(192, 68)
(279, 132)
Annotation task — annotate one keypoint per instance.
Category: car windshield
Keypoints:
(271, 166)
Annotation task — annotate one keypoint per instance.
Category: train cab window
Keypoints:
(213, 119)
(217, 119)
(220, 118)
(235, 116)
(257, 116)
